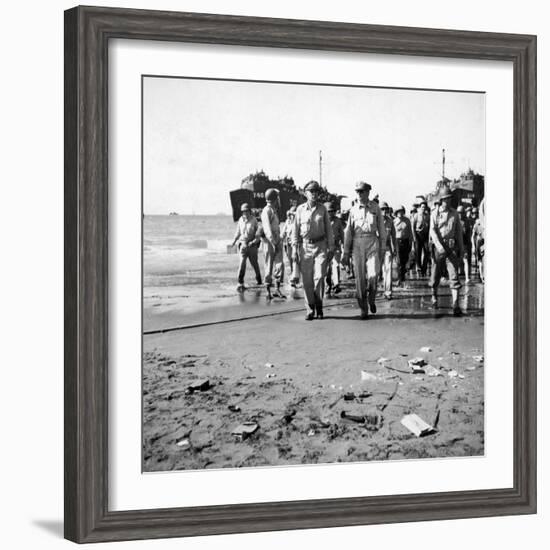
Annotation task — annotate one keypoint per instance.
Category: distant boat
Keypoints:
(173, 214)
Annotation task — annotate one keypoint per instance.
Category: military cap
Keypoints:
(421, 199)
(384, 205)
(362, 186)
(271, 194)
(445, 192)
(460, 208)
(402, 208)
(245, 207)
(312, 185)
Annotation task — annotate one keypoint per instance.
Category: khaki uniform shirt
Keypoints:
(421, 222)
(338, 232)
(246, 230)
(270, 225)
(403, 228)
(390, 234)
(446, 229)
(365, 221)
(312, 225)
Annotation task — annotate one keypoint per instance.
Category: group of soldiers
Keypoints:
(441, 242)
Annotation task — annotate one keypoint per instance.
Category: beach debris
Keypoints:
(372, 421)
(455, 386)
(364, 395)
(452, 374)
(417, 365)
(425, 349)
(432, 371)
(332, 387)
(416, 425)
(234, 408)
(270, 375)
(440, 358)
(383, 359)
(349, 396)
(396, 370)
(185, 443)
(461, 376)
(404, 354)
(311, 433)
(367, 376)
(202, 384)
(244, 430)
(269, 365)
(454, 353)
(478, 358)
(471, 368)
(288, 417)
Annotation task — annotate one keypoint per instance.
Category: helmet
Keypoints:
(271, 194)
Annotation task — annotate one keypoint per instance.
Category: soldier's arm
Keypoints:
(348, 235)
(266, 224)
(459, 238)
(382, 236)
(237, 233)
(435, 235)
(329, 232)
(393, 239)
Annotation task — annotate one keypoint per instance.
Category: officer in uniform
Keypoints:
(365, 238)
(421, 229)
(387, 260)
(333, 269)
(467, 227)
(446, 235)
(313, 248)
(274, 266)
(403, 239)
(247, 237)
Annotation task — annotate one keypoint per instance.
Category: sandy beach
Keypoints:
(332, 390)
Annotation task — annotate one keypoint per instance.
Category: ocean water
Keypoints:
(188, 250)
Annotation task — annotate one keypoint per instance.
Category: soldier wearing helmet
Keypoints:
(246, 235)
(421, 229)
(446, 234)
(313, 248)
(403, 241)
(365, 238)
(287, 237)
(273, 245)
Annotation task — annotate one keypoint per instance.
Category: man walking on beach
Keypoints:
(333, 269)
(274, 266)
(421, 229)
(246, 236)
(446, 234)
(313, 248)
(387, 260)
(365, 238)
(288, 232)
(403, 238)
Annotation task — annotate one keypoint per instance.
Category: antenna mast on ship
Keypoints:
(320, 167)
(443, 166)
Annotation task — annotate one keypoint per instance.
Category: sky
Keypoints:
(202, 137)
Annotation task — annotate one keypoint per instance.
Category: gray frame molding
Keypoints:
(87, 34)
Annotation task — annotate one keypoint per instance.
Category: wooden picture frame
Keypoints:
(87, 34)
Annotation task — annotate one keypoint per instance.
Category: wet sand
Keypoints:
(290, 378)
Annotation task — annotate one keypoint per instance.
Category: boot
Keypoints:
(268, 291)
(278, 293)
(434, 298)
(372, 304)
(319, 310)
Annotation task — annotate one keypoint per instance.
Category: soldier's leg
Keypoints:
(336, 269)
(359, 266)
(319, 274)
(387, 274)
(467, 257)
(373, 268)
(279, 269)
(268, 267)
(437, 272)
(453, 265)
(425, 254)
(306, 268)
(242, 267)
(253, 257)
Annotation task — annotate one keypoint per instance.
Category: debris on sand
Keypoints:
(234, 408)
(350, 396)
(471, 368)
(417, 365)
(185, 443)
(416, 425)
(371, 421)
(244, 430)
(432, 371)
(383, 360)
(426, 349)
(367, 376)
(269, 365)
(202, 384)
(478, 358)
(452, 374)
(270, 375)
(311, 433)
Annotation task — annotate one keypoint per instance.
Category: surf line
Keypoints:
(221, 322)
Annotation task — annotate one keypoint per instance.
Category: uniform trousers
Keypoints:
(248, 252)
(366, 262)
(444, 260)
(274, 266)
(403, 252)
(422, 252)
(333, 269)
(313, 266)
(387, 272)
(294, 268)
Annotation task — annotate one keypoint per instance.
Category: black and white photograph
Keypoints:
(313, 282)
